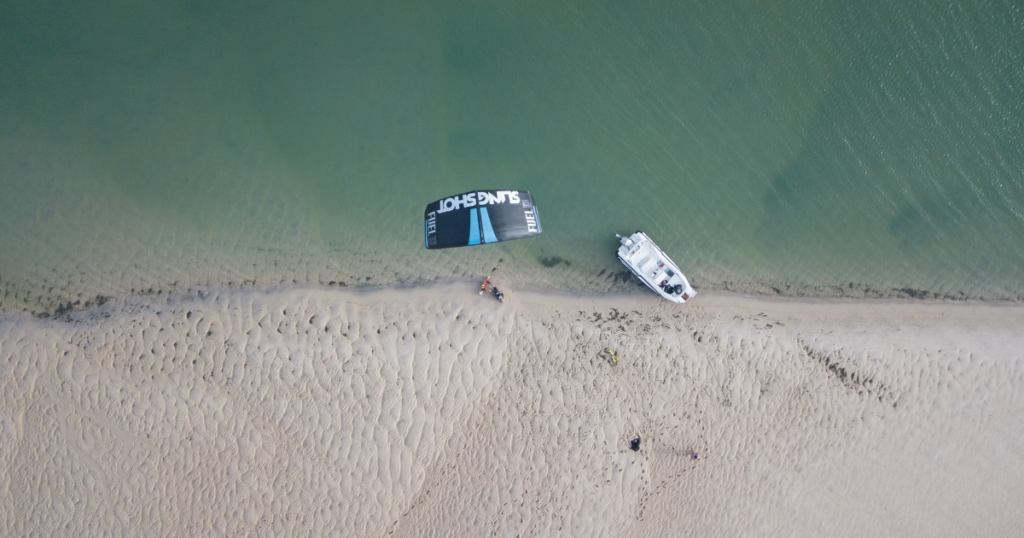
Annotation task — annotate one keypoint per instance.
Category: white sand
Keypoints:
(437, 412)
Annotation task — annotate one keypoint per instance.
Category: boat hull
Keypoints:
(654, 268)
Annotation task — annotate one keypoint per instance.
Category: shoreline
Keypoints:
(67, 307)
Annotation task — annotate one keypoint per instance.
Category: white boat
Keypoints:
(654, 268)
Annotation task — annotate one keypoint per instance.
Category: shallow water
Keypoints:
(803, 148)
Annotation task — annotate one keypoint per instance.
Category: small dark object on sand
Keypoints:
(634, 445)
(694, 456)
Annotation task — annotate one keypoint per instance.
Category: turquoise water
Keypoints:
(801, 148)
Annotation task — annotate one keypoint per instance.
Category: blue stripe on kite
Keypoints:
(474, 228)
(536, 217)
(489, 236)
(426, 236)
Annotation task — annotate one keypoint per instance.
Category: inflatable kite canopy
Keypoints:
(480, 217)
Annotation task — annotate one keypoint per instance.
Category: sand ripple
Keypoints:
(413, 414)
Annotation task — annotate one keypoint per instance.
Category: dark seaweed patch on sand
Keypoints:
(838, 367)
(552, 261)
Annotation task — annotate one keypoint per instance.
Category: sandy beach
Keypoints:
(241, 243)
(433, 411)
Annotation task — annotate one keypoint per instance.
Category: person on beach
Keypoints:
(494, 289)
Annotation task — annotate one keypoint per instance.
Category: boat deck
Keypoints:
(654, 268)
